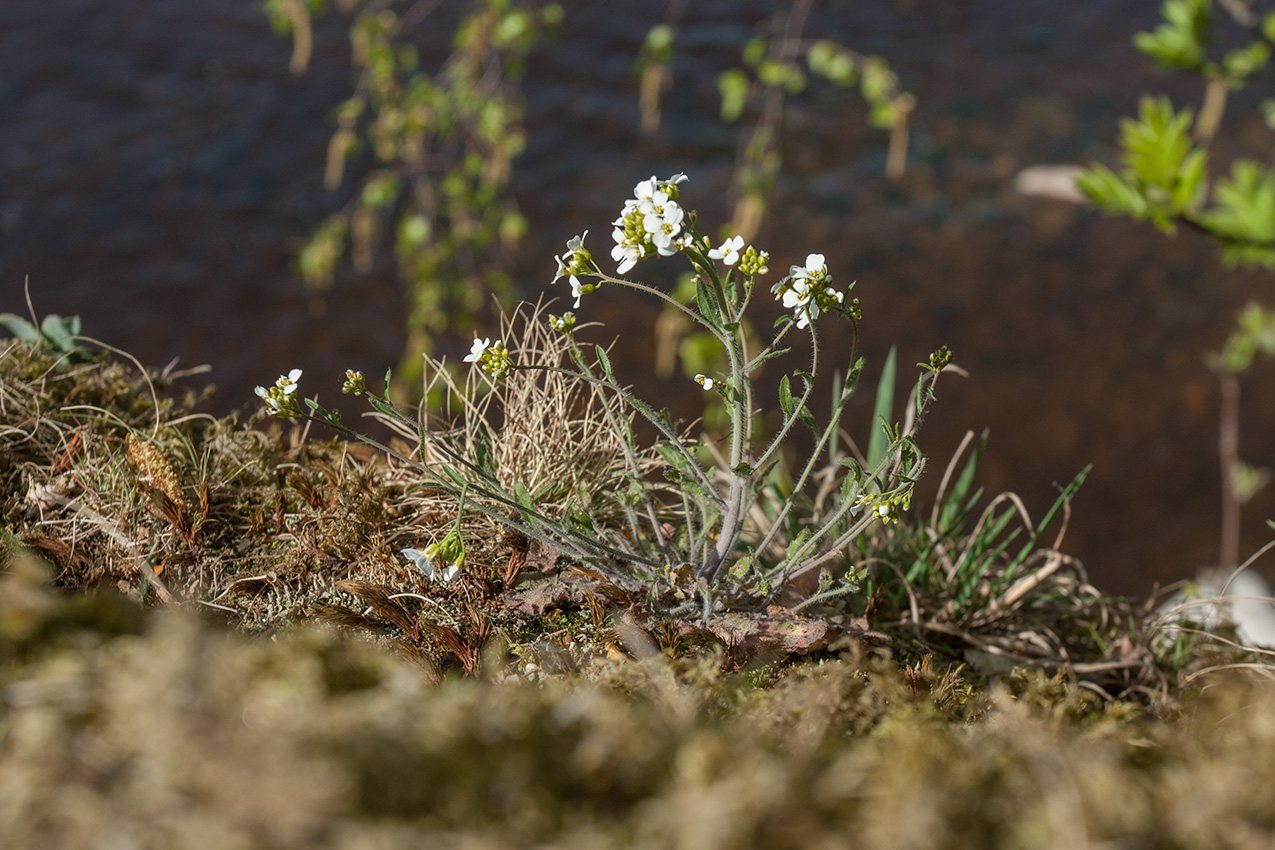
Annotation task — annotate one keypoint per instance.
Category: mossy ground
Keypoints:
(208, 639)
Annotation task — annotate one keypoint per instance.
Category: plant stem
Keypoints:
(1228, 454)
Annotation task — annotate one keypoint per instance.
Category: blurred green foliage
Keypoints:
(435, 153)
(1166, 177)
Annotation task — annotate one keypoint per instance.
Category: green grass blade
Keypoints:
(879, 442)
(1063, 498)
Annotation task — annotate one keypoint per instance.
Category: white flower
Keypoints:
(729, 252)
(797, 295)
(576, 263)
(574, 244)
(806, 291)
(645, 190)
(625, 253)
(476, 351)
(705, 381)
(423, 561)
(664, 223)
(815, 268)
(427, 561)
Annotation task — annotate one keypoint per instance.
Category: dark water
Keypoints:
(159, 167)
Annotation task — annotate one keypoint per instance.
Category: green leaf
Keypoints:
(523, 498)
(1157, 144)
(733, 86)
(1244, 208)
(831, 60)
(707, 302)
(766, 356)
(808, 419)
(1111, 193)
(20, 328)
(786, 403)
(605, 362)
(1189, 191)
(1243, 62)
(955, 504)
(1182, 39)
(879, 442)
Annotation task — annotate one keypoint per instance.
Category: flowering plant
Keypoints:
(709, 534)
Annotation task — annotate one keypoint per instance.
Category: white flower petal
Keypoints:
(476, 351)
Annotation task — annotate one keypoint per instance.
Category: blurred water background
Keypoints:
(159, 168)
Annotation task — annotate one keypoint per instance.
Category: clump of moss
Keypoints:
(182, 734)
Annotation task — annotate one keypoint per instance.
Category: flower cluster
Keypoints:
(281, 399)
(491, 357)
(753, 262)
(354, 383)
(806, 290)
(887, 508)
(563, 324)
(440, 561)
(576, 261)
(650, 222)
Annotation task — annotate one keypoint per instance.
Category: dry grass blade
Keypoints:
(378, 599)
(339, 615)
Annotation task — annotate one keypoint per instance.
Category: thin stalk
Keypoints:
(805, 475)
(1228, 443)
(666, 298)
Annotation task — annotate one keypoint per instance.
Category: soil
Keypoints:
(159, 168)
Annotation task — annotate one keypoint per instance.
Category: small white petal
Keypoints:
(476, 351)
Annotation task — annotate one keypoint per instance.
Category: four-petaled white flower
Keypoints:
(476, 351)
(815, 268)
(728, 253)
(663, 221)
(625, 254)
(705, 381)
